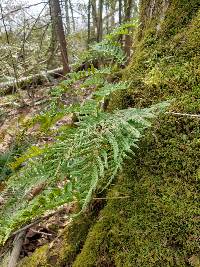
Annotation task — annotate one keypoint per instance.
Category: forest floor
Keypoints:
(15, 110)
(15, 113)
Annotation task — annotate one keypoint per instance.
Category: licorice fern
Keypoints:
(70, 169)
(110, 50)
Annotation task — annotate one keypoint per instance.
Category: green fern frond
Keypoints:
(107, 50)
(122, 29)
(110, 88)
(82, 156)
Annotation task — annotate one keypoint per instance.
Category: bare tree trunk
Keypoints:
(113, 6)
(94, 18)
(127, 17)
(100, 22)
(72, 13)
(57, 18)
(53, 43)
(89, 22)
(107, 18)
(120, 12)
(67, 16)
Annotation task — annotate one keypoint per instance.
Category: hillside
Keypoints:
(150, 214)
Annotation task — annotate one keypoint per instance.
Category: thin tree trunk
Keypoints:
(100, 22)
(67, 16)
(127, 17)
(53, 43)
(72, 13)
(107, 18)
(89, 22)
(94, 18)
(113, 7)
(120, 12)
(57, 18)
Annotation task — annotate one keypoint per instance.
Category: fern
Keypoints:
(79, 159)
(123, 29)
(109, 51)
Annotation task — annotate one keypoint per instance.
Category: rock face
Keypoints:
(158, 225)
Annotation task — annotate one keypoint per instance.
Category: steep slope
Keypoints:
(157, 224)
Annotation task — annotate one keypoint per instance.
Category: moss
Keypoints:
(70, 242)
(63, 250)
(38, 259)
(163, 70)
(158, 225)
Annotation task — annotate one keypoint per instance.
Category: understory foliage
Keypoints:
(70, 169)
(110, 50)
(85, 155)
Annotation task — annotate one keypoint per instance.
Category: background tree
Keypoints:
(57, 20)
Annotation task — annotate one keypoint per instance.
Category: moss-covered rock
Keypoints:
(158, 225)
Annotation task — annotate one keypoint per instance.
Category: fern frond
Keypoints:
(107, 50)
(80, 158)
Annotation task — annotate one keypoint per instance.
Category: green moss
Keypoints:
(159, 224)
(63, 250)
(38, 259)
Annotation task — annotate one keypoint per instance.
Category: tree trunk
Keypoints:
(100, 22)
(94, 19)
(53, 43)
(29, 82)
(107, 18)
(67, 16)
(72, 13)
(127, 17)
(89, 22)
(113, 7)
(120, 12)
(57, 18)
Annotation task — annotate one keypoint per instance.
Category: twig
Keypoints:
(184, 114)
(17, 245)
(37, 221)
(107, 198)
(40, 232)
(21, 8)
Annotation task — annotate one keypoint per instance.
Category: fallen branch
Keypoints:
(17, 245)
(26, 227)
(25, 83)
(184, 114)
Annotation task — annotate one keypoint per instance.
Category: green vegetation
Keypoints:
(158, 225)
(149, 216)
(85, 155)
